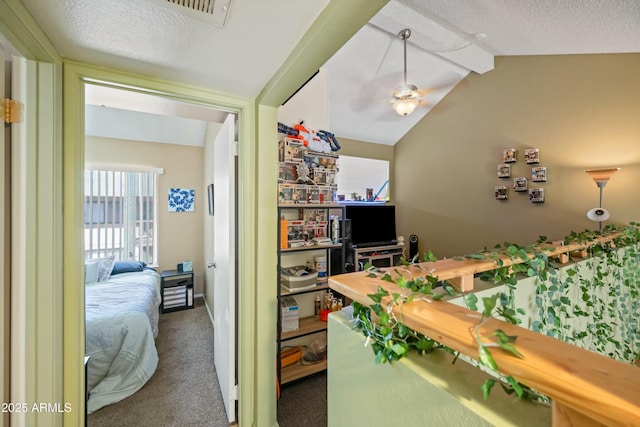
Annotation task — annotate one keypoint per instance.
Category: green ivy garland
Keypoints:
(391, 340)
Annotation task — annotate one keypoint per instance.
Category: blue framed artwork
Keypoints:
(181, 200)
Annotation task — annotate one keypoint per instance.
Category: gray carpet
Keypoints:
(184, 390)
(304, 402)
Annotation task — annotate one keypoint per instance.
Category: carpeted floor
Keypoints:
(184, 390)
(304, 403)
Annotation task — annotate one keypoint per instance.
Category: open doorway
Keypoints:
(140, 149)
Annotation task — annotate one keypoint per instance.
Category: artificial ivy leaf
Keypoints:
(472, 302)
(367, 266)
(400, 349)
(377, 309)
(402, 331)
(426, 289)
(436, 297)
(486, 358)
(425, 344)
(508, 347)
(401, 282)
(503, 337)
(516, 386)
(384, 318)
(449, 289)
(489, 304)
(486, 387)
(430, 257)
(387, 277)
(474, 256)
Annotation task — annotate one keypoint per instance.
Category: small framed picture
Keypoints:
(539, 174)
(536, 195)
(532, 155)
(504, 170)
(520, 184)
(501, 192)
(509, 155)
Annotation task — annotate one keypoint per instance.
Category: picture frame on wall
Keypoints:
(504, 170)
(539, 174)
(501, 192)
(532, 155)
(520, 184)
(509, 155)
(536, 195)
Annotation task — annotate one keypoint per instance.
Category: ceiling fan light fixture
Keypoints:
(405, 97)
(406, 91)
(405, 106)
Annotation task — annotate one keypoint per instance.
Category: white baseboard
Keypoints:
(208, 311)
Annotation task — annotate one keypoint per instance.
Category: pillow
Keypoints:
(127, 267)
(105, 265)
(90, 271)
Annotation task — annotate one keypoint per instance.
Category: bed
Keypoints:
(121, 318)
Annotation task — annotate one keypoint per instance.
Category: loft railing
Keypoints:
(586, 388)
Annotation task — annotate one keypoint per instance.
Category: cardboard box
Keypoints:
(289, 313)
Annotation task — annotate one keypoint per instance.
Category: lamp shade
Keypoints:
(404, 107)
(601, 176)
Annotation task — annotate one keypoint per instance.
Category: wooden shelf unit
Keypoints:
(307, 325)
(298, 371)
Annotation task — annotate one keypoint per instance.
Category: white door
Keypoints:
(224, 276)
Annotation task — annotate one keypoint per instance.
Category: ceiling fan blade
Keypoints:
(376, 89)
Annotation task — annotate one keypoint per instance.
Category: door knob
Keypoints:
(211, 264)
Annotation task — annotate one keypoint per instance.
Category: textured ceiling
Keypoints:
(451, 39)
(141, 36)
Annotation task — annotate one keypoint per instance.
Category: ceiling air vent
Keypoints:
(213, 12)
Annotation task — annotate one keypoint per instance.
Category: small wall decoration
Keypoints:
(539, 174)
(536, 195)
(181, 200)
(504, 170)
(509, 155)
(520, 184)
(532, 155)
(501, 192)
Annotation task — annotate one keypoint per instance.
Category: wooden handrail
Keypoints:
(603, 389)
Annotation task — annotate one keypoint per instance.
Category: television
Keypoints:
(372, 224)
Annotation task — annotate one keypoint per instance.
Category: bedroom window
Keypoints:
(120, 215)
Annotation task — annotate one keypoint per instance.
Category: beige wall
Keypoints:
(180, 234)
(580, 111)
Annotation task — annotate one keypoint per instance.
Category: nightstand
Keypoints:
(177, 290)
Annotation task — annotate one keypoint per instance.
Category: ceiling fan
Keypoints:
(406, 97)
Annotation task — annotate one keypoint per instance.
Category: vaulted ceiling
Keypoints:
(449, 40)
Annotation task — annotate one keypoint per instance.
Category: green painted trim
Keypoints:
(73, 253)
(75, 76)
(266, 310)
(24, 34)
(335, 25)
